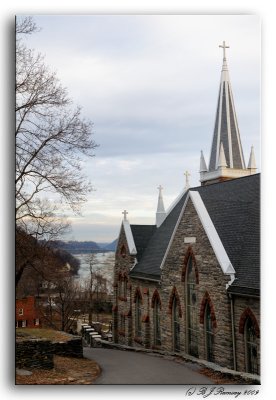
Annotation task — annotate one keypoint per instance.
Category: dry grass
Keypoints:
(67, 371)
(41, 333)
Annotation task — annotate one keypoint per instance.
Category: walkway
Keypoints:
(129, 367)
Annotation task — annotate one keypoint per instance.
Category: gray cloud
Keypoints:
(150, 85)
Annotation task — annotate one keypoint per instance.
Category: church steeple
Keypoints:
(160, 213)
(226, 158)
(252, 163)
(226, 126)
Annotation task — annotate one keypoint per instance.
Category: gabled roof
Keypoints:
(234, 208)
(141, 236)
(149, 265)
(129, 237)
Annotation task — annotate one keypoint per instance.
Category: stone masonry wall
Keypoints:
(34, 353)
(121, 310)
(211, 283)
(38, 353)
(70, 348)
(210, 287)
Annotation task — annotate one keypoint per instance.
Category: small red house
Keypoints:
(27, 314)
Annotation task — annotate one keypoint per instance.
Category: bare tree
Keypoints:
(59, 308)
(97, 288)
(51, 137)
(90, 260)
(51, 140)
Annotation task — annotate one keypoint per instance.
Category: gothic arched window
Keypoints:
(122, 325)
(123, 251)
(208, 319)
(175, 324)
(250, 330)
(125, 287)
(138, 313)
(122, 286)
(191, 297)
(209, 333)
(251, 348)
(156, 321)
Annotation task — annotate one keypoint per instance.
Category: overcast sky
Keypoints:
(150, 86)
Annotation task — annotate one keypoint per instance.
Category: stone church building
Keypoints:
(190, 283)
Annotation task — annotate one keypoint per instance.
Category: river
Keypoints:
(102, 263)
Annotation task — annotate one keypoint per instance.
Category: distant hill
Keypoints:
(102, 245)
(76, 247)
(111, 246)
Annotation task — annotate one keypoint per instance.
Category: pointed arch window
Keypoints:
(138, 314)
(122, 326)
(125, 287)
(209, 333)
(249, 327)
(176, 313)
(208, 319)
(156, 304)
(191, 301)
(251, 347)
(175, 324)
(122, 286)
(123, 251)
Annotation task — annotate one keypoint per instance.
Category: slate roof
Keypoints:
(234, 208)
(149, 265)
(141, 235)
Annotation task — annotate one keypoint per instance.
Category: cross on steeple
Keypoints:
(223, 46)
(160, 188)
(125, 214)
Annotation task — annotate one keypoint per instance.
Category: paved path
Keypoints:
(129, 367)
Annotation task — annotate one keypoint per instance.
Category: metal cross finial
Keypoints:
(160, 188)
(223, 46)
(186, 174)
(125, 214)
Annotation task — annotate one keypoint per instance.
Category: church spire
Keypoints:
(226, 158)
(226, 129)
(252, 162)
(160, 213)
(222, 160)
(203, 166)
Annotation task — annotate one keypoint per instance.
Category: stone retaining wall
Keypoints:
(39, 353)
(71, 348)
(34, 353)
